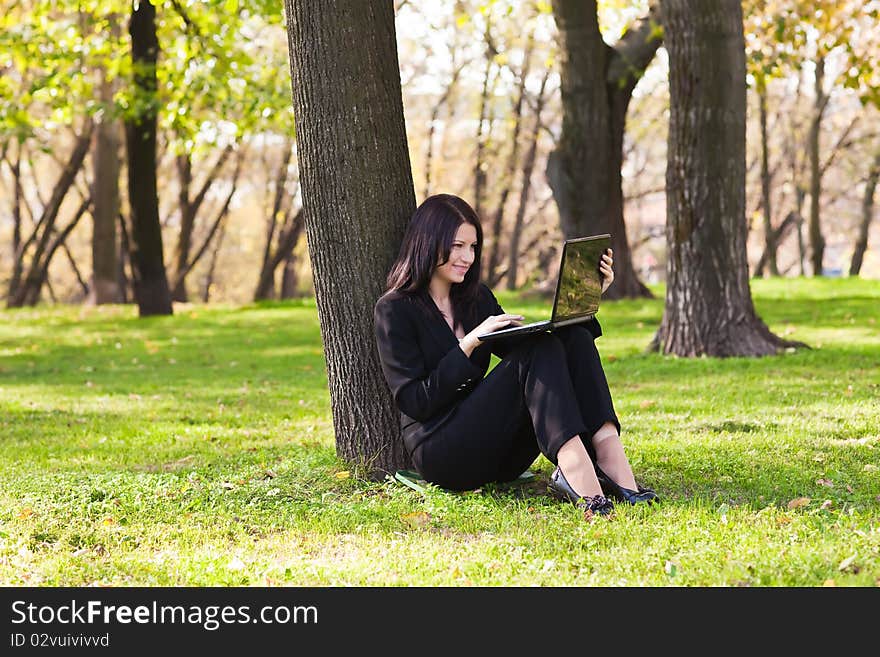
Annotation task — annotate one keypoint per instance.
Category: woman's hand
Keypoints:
(492, 323)
(605, 268)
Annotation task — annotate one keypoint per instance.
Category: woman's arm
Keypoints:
(418, 391)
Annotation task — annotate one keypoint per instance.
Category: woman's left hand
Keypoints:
(605, 268)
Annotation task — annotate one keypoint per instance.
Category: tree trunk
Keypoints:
(584, 170)
(147, 265)
(289, 278)
(189, 210)
(105, 197)
(769, 235)
(358, 197)
(817, 241)
(708, 308)
(21, 292)
(266, 280)
(482, 128)
(867, 214)
(506, 182)
(525, 189)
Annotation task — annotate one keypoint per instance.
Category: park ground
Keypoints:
(198, 449)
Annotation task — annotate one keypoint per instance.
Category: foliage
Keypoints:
(197, 450)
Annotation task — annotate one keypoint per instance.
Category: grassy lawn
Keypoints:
(198, 450)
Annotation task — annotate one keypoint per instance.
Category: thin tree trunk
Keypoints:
(479, 168)
(817, 241)
(266, 280)
(189, 209)
(212, 266)
(47, 221)
(40, 268)
(147, 264)
(289, 278)
(861, 244)
(509, 173)
(708, 309)
(584, 170)
(343, 98)
(432, 125)
(526, 187)
(791, 221)
(766, 179)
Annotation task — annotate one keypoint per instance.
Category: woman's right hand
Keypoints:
(492, 323)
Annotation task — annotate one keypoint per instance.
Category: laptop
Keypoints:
(578, 288)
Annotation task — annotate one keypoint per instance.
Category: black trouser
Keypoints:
(547, 390)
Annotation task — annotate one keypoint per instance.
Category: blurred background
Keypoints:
(481, 93)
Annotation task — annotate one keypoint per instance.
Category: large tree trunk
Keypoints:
(708, 308)
(147, 264)
(105, 197)
(358, 197)
(867, 214)
(817, 241)
(584, 170)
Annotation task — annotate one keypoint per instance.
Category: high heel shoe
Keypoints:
(618, 492)
(559, 486)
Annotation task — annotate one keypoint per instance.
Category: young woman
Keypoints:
(548, 394)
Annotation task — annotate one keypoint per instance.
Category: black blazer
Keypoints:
(426, 370)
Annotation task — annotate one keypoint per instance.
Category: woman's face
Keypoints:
(461, 256)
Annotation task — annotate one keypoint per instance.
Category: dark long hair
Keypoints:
(427, 243)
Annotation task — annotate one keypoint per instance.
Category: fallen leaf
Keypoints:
(344, 474)
(847, 563)
(827, 504)
(227, 485)
(26, 512)
(798, 502)
(416, 519)
(825, 482)
(647, 403)
(870, 467)
(109, 521)
(849, 488)
(829, 582)
(270, 474)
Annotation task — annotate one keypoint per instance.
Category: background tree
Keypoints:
(357, 196)
(147, 261)
(597, 85)
(708, 309)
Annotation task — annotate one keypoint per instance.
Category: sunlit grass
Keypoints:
(198, 449)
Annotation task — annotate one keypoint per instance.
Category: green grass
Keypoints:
(198, 450)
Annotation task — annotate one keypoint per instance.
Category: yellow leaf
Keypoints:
(417, 519)
(829, 582)
(798, 502)
(26, 512)
(109, 521)
(344, 474)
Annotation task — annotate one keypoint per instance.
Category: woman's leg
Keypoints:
(526, 404)
(602, 438)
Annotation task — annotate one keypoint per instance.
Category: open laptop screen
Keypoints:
(580, 283)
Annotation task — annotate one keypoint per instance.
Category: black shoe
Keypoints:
(640, 496)
(559, 486)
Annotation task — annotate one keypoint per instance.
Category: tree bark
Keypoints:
(358, 197)
(147, 264)
(584, 170)
(817, 241)
(708, 309)
(867, 214)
